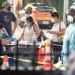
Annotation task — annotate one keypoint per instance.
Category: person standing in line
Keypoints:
(69, 37)
(3, 42)
(57, 29)
(30, 30)
(7, 17)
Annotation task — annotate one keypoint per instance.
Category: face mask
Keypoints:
(52, 20)
(9, 8)
(27, 24)
(69, 18)
(27, 15)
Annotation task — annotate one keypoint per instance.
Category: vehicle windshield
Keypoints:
(43, 7)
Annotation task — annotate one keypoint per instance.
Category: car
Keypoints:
(41, 13)
(72, 6)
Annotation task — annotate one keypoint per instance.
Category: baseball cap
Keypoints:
(6, 4)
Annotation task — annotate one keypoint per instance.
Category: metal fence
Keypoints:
(24, 57)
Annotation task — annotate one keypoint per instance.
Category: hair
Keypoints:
(55, 14)
(1, 25)
(28, 10)
(51, 12)
(30, 19)
(6, 4)
(72, 13)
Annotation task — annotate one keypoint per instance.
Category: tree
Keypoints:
(30, 1)
(43, 1)
(1, 3)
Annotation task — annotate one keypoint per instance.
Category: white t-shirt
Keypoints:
(56, 29)
(23, 18)
(28, 34)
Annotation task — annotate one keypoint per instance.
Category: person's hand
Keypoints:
(13, 31)
(4, 42)
(52, 32)
(47, 31)
(47, 42)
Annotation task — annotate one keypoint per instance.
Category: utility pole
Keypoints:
(65, 9)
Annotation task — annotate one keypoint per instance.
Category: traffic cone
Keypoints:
(5, 64)
(47, 58)
(41, 52)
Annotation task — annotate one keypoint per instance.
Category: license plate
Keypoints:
(45, 22)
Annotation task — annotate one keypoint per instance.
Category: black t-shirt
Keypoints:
(6, 19)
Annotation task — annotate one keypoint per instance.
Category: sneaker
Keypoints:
(58, 65)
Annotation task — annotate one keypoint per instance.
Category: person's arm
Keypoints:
(37, 30)
(22, 36)
(72, 37)
(23, 21)
(15, 23)
(61, 31)
(4, 41)
(58, 33)
(15, 26)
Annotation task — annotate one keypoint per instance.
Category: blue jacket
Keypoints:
(69, 36)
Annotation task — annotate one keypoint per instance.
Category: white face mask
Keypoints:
(69, 18)
(52, 20)
(27, 15)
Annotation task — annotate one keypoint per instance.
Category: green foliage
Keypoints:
(1, 3)
(30, 1)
